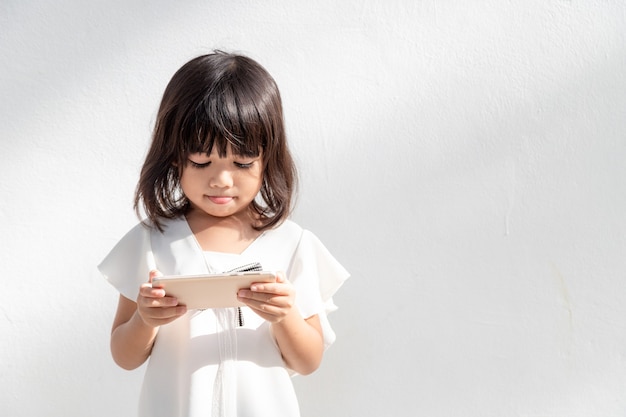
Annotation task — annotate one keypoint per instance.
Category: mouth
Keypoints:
(220, 199)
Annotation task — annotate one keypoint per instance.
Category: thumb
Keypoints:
(280, 277)
(154, 273)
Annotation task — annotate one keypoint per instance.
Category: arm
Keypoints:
(136, 324)
(131, 338)
(300, 340)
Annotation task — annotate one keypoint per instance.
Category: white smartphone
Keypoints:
(211, 290)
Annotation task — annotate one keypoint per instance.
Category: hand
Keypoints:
(272, 301)
(154, 307)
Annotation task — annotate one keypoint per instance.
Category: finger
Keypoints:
(255, 295)
(261, 300)
(154, 273)
(167, 313)
(263, 308)
(147, 290)
(277, 288)
(268, 312)
(163, 316)
(158, 302)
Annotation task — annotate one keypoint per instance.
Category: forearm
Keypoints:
(131, 342)
(300, 342)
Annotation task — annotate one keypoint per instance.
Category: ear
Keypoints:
(175, 167)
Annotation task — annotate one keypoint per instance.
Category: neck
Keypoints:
(231, 234)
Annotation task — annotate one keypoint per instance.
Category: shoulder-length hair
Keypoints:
(222, 100)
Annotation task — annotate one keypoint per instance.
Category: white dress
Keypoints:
(204, 363)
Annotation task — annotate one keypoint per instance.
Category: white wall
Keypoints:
(465, 160)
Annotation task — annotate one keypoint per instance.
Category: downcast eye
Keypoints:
(199, 165)
(244, 165)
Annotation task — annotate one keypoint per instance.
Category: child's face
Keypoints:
(221, 187)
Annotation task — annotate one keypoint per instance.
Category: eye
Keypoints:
(243, 165)
(199, 165)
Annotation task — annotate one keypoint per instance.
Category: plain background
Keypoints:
(465, 160)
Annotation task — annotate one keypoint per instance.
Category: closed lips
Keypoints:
(220, 199)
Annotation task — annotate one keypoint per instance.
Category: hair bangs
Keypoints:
(227, 119)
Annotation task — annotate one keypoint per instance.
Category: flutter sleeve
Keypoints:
(316, 275)
(129, 263)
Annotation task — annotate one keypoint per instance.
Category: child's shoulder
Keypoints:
(138, 231)
(290, 225)
(142, 229)
(288, 230)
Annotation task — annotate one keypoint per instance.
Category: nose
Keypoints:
(222, 178)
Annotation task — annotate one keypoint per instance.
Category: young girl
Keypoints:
(216, 187)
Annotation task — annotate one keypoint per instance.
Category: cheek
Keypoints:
(187, 180)
(260, 180)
